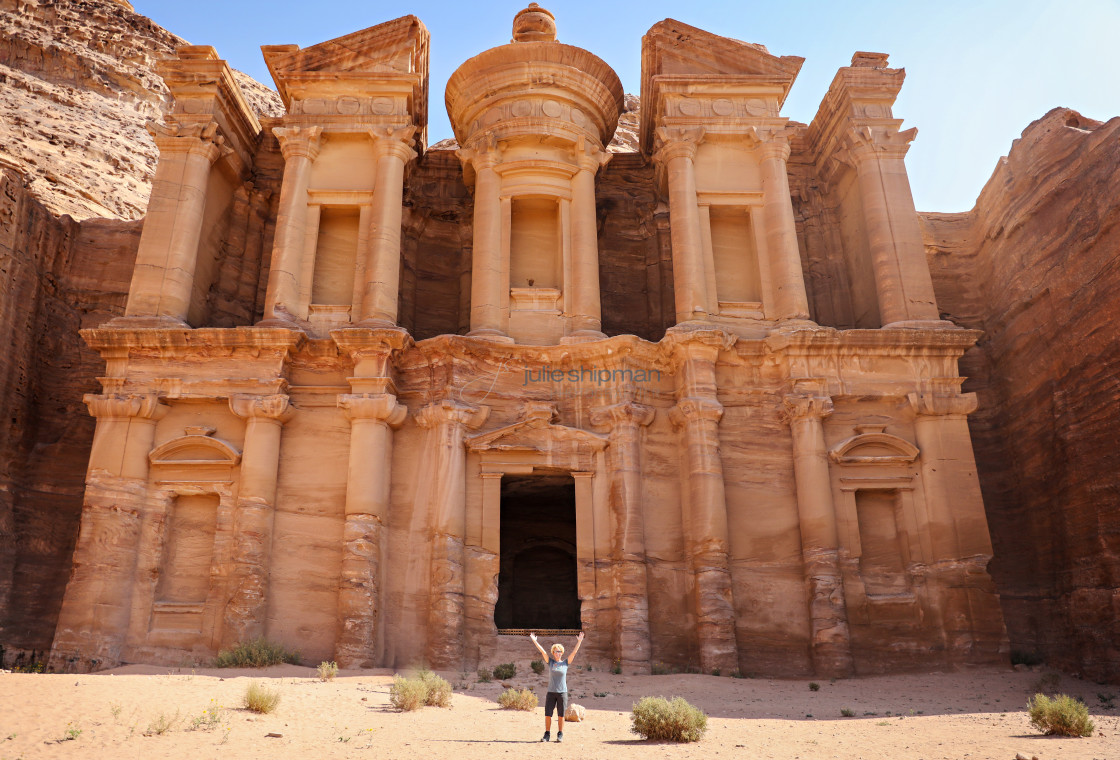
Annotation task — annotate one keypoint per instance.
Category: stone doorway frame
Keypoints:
(534, 442)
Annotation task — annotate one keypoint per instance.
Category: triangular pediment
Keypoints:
(674, 48)
(536, 431)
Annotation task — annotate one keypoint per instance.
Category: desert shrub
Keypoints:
(736, 673)
(258, 653)
(1021, 657)
(616, 667)
(327, 670)
(847, 712)
(518, 699)
(1063, 715)
(483, 675)
(261, 699)
(814, 686)
(537, 666)
(1048, 683)
(668, 720)
(426, 688)
(162, 724)
(505, 670)
(660, 669)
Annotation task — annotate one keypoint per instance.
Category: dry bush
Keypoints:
(258, 653)
(668, 720)
(1063, 715)
(1047, 683)
(260, 699)
(407, 694)
(518, 699)
(327, 670)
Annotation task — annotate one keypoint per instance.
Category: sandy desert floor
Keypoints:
(116, 714)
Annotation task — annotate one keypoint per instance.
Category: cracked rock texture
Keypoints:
(1035, 265)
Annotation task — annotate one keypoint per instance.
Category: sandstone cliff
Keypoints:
(77, 86)
(1035, 266)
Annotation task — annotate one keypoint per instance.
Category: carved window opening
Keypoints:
(882, 564)
(188, 549)
(535, 244)
(336, 254)
(537, 573)
(734, 257)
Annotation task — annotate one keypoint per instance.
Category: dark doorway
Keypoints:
(537, 575)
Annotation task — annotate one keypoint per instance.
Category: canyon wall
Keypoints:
(1035, 266)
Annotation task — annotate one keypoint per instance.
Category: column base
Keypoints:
(583, 336)
(377, 323)
(491, 334)
(153, 322)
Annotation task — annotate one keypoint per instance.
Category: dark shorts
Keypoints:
(556, 700)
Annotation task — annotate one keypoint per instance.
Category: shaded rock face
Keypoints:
(77, 86)
(1034, 266)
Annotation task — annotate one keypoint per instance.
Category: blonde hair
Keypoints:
(557, 646)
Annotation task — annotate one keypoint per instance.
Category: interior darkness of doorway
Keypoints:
(537, 576)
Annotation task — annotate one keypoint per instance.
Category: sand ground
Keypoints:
(977, 715)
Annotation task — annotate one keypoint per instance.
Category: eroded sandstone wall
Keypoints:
(1034, 265)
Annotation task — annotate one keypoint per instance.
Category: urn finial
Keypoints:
(534, 24)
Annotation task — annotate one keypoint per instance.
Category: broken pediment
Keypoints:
(538, 435)
(396, 49)
(673, 48)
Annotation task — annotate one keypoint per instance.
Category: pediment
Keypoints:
(674, 48)
(874, 448)
(194, 449)
(537, 431)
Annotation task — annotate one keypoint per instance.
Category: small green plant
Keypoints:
(161, 724)
(425, 688)
(258, 653)
(327, 670)
(210, 718)
(505, 671)
(715, 671)
(260, 699)
(518, 699)
(1048, 683)
(673, 720)
(883, 723)
(115, 708)
(1107, 700)
(616, 667)
(70, 734)
(736, 673)
(1061, 716)
(814, 686)
(600, 694)
(660, 669)
(847, 712)
(537, 666)
(484, 675)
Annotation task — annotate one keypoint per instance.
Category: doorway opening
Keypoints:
(537, 585)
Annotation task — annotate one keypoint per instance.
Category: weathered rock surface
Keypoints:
(77, 86)
(1034, 265)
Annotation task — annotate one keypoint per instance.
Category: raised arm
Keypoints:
(544, 655)
(579, 641)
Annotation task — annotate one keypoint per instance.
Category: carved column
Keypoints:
(628, 530)
(300, 146)
(448, 420)
(830, 640)
(489, 273)
(246, 612)
(383, 268)
(790, 302)
(587, 319)
(902, 279)
(372, 419)
(966, 598)
(94, 619)
(677, 153)
(163, 277)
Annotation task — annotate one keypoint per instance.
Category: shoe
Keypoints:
(560, 736)
(545, 737)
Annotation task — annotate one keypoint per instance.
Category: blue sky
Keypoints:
(977, 72)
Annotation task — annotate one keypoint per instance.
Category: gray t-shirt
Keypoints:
(557, 676)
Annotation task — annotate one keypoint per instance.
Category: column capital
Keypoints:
(698, 341)
(382, 407)
(590, 155)
(189, 139)
(299, 141)
(394, 141)
(772, 143)
(483, 152)
(273, 407)
(625, 413)
(933, 404)
(802, 405)
(449, 410)
(678, 141)
(692, 409)
(863, 142)
(123, 405)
